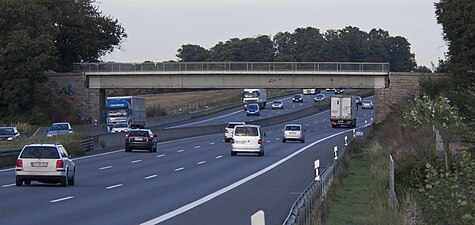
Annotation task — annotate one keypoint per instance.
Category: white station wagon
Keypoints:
(47, 163)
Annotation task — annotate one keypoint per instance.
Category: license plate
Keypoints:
(39, 164)
(340, 121)
(240, 142)
(138, 139)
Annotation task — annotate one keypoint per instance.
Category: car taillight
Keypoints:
(148, 138)
(259, 141)
(232, 141)
(59, 164)
(19, 163)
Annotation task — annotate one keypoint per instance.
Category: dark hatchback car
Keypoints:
(297, 98)
(141, 139)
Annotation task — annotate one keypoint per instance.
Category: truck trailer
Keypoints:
(343, 111)
(126, 109)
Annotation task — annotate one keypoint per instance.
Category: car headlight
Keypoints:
(10, 138)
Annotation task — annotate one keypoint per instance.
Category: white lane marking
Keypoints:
(199, 163)
(307, 124)
(219, 156)
(316, 129)
(178, 169)
(357, 117)
(114, 186)
(198, 146)
(202, 121)
(8, 185)
(212, 143)
(159, 156)
(324, 120)
(62, 199)
(268, 141)
(236, 184)
(150, 177)
(277, 139)
(105, 167)
(315, 122)
(325, 127)
(365, 114)
(136, 161)
(181, 150)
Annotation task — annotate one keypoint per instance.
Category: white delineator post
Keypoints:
(335, 150)
(258, 218)
(354, 132)
(317, 166)
(346, 141)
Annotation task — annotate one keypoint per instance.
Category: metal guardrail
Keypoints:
(234, 66)
(87, 144)
(306, 210)
(10, 152)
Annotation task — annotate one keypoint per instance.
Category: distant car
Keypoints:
(293, 132)
(297, 98)
(120, 127)
(358, 100)
(367, 104)
(228, 131)
(319, 98)
(339, 91)
(47, 163)
(141, 139)
(247, 139)
(8, 133)
(59, 129)
(253, 110)
(277, 104)
(310, 91)
(330, 89)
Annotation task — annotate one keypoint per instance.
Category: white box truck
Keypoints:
(343, 111)
(258, 96)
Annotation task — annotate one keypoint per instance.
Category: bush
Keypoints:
(155, 111)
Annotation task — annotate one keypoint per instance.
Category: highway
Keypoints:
(188, 181)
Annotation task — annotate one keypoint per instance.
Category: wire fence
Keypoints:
(307, 209)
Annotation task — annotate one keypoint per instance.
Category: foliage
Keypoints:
(457, 20)
(40, 35)
(155, 111)
(349, 44)
(448, 198)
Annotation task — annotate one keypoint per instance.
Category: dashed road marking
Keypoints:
(315, 122)
(62, 199)
(198, 146)
(199, 163)
(159, 156)
(105, 167)
(178, 169)
(277, 139)
(268, 141)
(136, 161)
(219, 156)
(114, 186)
(150, 177)
(181, 150)
(212, 143)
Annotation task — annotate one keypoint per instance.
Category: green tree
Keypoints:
(192, 53)
(458, 23)
(400, 57)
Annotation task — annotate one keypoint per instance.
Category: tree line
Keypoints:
(47, 35)
(309, 44)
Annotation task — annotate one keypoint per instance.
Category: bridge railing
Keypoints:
(233, 66)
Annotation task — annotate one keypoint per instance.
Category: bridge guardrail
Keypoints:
(234, 66)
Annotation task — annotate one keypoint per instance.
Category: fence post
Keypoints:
(392, 192)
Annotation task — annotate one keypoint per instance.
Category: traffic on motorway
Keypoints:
(188, 181)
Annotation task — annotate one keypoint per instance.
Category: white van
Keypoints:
(247, 139)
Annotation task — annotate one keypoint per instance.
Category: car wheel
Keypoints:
(128, 149)
(71, 181)
(302, 141)
(27, 182)
(226, 140)
(333, 126)
(233, 153)
(283, 140)
(19, 182)
(64, 181)
(150, 149)
(261, 153)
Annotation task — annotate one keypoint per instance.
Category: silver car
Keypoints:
(293, 132)
(47, 163)
(277, 104)
(367, 104)
(59, 129)
(228, 131)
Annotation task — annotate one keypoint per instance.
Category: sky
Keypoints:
(156, 29)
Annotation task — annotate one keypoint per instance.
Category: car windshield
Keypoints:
(61, 126)
(138, 133)
(40, 152)
(246, 131)
(252, 106)
(232, 125)
(296, 96)
(367, 101)
(320, 96)
(6, 131)
(293, 128)
(120, 125)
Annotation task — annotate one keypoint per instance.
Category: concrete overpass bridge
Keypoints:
(86, 86)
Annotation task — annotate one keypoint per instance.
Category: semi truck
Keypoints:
(343, 111)
(258, 96)
(126, 109)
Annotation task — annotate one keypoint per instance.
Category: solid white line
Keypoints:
(219, 156)
(136, 161)
(114, 186)
(158, 156)
(178, 169)
(181, 150)
(211, 196)
(149, 177)
(62, 199)
(8, 185)
(105, 167)
(199, 163)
